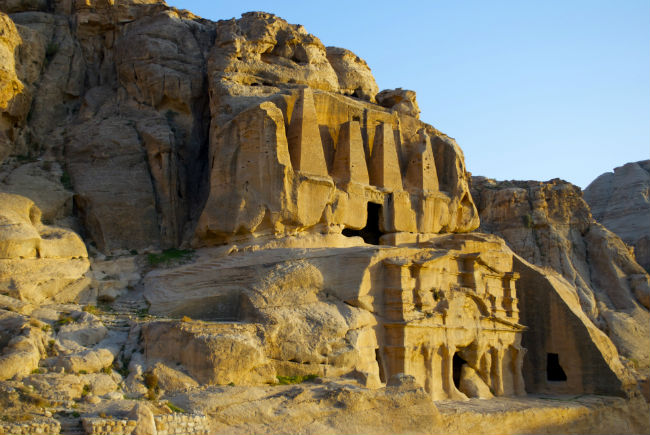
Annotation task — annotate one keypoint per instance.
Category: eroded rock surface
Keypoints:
(620, 200)
(334, 243)
(38, 263)
(549, 224)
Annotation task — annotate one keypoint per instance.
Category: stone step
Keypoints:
(71, 427)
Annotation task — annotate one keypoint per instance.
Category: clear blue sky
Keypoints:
(530, 89)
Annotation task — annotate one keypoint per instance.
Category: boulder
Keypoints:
(56, 387)
(38, 263)
(144, 421)
(87, 330)
(399, 99)
(22, 354)
(89, 361)
(355, 77)
(172, 380)
(101, 384)
(235, 351)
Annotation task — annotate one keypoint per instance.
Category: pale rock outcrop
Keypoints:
(401, 100)
(21, 346)
(40, 182)
(88, 360)
(172, 380)
(37, 262)
(324, 407)
(115, 196)
(620, 200)
(355, 77)
(260, 52)
(212, 353)
(372, 311)
(145, 423)
(549, 224)
(14, 101)
(55, 386)
(101, 384)
(86, 330)
(115, 276)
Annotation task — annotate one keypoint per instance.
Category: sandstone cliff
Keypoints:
(550, 225)
(141, 102)
(332, 236)
(620, 200)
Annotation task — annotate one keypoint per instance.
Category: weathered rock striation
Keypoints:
(332, 236)
(620, 200)
(289, 151)
(38, 263)
(550, 225)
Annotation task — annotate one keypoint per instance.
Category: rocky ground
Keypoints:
(94, 370)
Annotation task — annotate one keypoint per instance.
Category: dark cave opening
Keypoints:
(554, 371)
(371, 232)
(457, 366)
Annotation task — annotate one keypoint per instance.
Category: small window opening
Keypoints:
(380, 364)
(554, 371)
(371, 232)
(457, 366)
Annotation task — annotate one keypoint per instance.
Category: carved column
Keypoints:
(497, 371)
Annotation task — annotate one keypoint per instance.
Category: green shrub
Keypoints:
(175, 408)
(63, 320)
(527, 220)
(297, 379)
(169, 257)
(150, 380)
(91, 309)
(66, 180)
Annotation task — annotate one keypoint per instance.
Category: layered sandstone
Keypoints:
(333, 236)
(282, 103)
(620, 201)
(446, 311)
(38, 263)
(550, 225)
